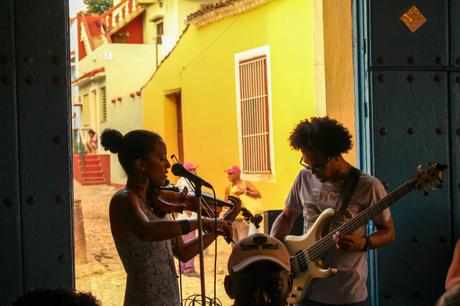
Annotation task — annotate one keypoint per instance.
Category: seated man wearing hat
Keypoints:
(258, 270)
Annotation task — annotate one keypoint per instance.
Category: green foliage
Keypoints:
(98, 6)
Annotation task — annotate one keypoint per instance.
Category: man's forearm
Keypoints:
(281, 227)
(383, 236)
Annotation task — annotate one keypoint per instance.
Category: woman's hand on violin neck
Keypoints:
(211, 224)
(218, 226)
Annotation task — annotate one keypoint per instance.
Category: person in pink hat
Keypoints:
(248, 194)
(188, 268)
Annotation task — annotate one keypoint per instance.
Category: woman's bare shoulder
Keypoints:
(123, 196)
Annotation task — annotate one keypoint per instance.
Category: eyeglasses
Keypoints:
(317, 169)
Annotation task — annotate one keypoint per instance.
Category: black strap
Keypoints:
(349, 185)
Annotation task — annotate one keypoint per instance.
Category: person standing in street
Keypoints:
(250, 199)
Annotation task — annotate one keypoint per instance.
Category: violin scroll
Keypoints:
(249, 217)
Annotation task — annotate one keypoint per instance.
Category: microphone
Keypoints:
(178, 170)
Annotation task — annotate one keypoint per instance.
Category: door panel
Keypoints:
(393, 44)
(455, 147)
(414, 114)
(11, 280)
(455, 33)
(44, 111)
(410, 127)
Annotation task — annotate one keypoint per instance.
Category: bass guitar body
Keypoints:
(303, 269)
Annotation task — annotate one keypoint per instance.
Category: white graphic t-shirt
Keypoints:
(310, 196)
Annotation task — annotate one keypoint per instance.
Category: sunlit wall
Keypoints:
(202, 68)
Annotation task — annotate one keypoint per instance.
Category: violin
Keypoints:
(170, 199)
(166, 200)
(186, 201)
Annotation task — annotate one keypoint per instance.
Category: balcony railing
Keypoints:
(118, 15)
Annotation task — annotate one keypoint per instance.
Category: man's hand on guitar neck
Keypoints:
(384, 234)
(349, 243)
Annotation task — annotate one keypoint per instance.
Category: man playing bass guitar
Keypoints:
(317, 187)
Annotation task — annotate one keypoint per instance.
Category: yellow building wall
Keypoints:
(173, 13)
(202, 67)
(89, 93)
(127, 68)
(338, 62)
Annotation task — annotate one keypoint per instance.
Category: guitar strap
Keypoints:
(349, 185)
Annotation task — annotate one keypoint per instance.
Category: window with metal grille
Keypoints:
(254, 115)
(160, 30)
(103, 105)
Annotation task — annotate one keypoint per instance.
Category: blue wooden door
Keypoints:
(36, 246)
(413, 77)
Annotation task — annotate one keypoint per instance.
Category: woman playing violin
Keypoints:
(146, 242)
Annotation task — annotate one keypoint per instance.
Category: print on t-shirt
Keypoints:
(326, 199)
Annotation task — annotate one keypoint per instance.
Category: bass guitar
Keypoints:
(308, 250)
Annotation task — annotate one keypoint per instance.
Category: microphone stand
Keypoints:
(200, 240)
